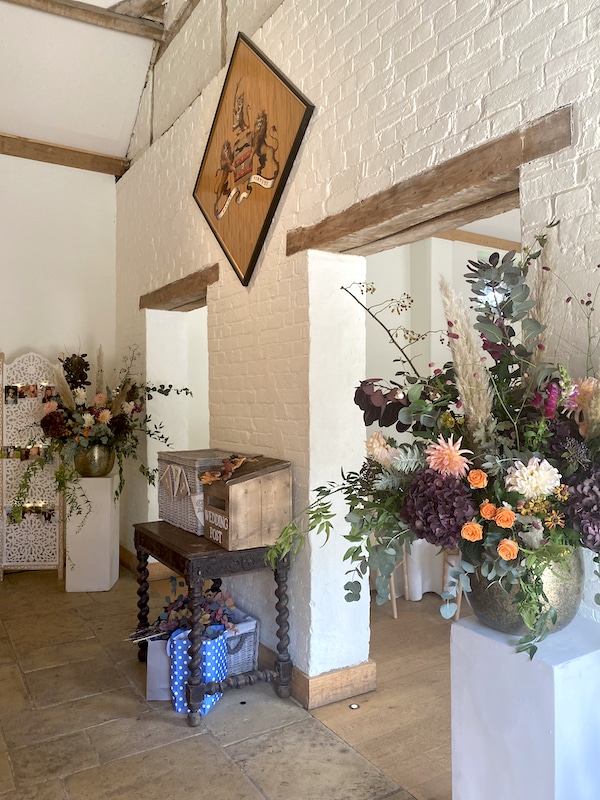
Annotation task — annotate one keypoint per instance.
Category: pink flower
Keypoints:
(104, 416)
(570, 402)
(446, 457)
(100, 399)
(552, 394)
(50, 406)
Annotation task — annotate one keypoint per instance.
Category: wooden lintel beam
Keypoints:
(470, 178)
(444, 223)
(58, 154)
(185, 294)
(94, 15)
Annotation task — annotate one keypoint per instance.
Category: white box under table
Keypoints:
(521, 729)
(92, 553)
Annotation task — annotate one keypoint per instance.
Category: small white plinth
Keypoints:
(521, 729)
(92, 554)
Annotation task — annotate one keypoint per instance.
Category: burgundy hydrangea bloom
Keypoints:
(119, 425)
(437, 506)
(582, 509)
(54, 425)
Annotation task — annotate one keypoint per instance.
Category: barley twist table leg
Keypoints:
(283, 662)
(194, 697)
(143, 596)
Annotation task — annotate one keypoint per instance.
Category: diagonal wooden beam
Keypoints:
(65, 156)
(94, 15)
(183, 17)
(153, 9)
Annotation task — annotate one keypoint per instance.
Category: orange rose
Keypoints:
(507, 549)
(472, 532)
(504, 517)
(487, 510)
(477, 479)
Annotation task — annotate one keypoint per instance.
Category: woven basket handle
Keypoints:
(236, 646)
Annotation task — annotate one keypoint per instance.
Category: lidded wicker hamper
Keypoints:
(180, 491)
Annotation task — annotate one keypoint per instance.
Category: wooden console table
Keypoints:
(196, 559)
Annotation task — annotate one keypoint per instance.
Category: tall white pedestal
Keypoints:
(521, 729)
(92, 554)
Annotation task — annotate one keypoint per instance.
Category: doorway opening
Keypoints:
(177, 345)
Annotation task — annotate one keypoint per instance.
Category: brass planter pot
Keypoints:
(95, 461)
(563, 585)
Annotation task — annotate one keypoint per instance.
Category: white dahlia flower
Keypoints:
(536, 479)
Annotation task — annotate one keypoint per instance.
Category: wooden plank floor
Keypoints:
(404, 726)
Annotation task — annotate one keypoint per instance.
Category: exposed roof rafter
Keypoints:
(58, 154)
(94, 15)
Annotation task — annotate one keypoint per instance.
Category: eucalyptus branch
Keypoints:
(315, 517)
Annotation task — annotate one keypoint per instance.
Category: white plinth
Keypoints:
(92, 554)
(521, 729)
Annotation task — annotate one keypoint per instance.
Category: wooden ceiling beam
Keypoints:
(479, 240)
(65, 156)
(185, 294)
(94, 15)
(472, 178)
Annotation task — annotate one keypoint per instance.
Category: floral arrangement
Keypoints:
(72, 423)
(502, 464)
(216, 607)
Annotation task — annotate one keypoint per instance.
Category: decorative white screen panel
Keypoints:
(37, 541)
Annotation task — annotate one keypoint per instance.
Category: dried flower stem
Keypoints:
(100, 371)
(405, 355)
(544, 294)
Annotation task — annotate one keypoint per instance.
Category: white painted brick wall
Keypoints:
(188, 64)
(398, 88)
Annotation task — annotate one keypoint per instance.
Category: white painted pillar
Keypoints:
(339, 631)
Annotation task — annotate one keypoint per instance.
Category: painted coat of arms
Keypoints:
(257, 130)
(248, 158)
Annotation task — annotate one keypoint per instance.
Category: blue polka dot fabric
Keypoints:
(213, 666)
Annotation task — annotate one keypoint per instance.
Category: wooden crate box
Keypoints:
(252, 507)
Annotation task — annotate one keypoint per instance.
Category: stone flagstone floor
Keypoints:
(75, 724)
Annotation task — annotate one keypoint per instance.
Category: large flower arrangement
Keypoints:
(73, 421)
(502, 464)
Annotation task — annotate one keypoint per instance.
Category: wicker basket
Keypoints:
(180, 491)
(242, 647)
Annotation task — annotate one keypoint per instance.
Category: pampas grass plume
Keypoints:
(62, 387)
(472, 379)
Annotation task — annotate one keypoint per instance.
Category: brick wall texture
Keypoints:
(398, 87)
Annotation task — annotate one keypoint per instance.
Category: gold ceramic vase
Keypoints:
(563, 586)
(94, 461)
